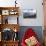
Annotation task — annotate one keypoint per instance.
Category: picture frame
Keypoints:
(29, 13)
(5, 12)
(6, 34)
(12, 20)
(12, 12)
(9, 34)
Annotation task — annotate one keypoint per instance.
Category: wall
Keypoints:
(31, 4)
(27, 4)
(36, 29)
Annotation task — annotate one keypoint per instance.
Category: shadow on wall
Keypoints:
(37, 29)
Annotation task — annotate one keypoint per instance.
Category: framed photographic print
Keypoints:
(6, 34)
(12, 20)
(12, 12)
(29, 13)
(5, 12)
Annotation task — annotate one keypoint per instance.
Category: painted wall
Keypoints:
(36, 29)
(27, 4)
(31, 4)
